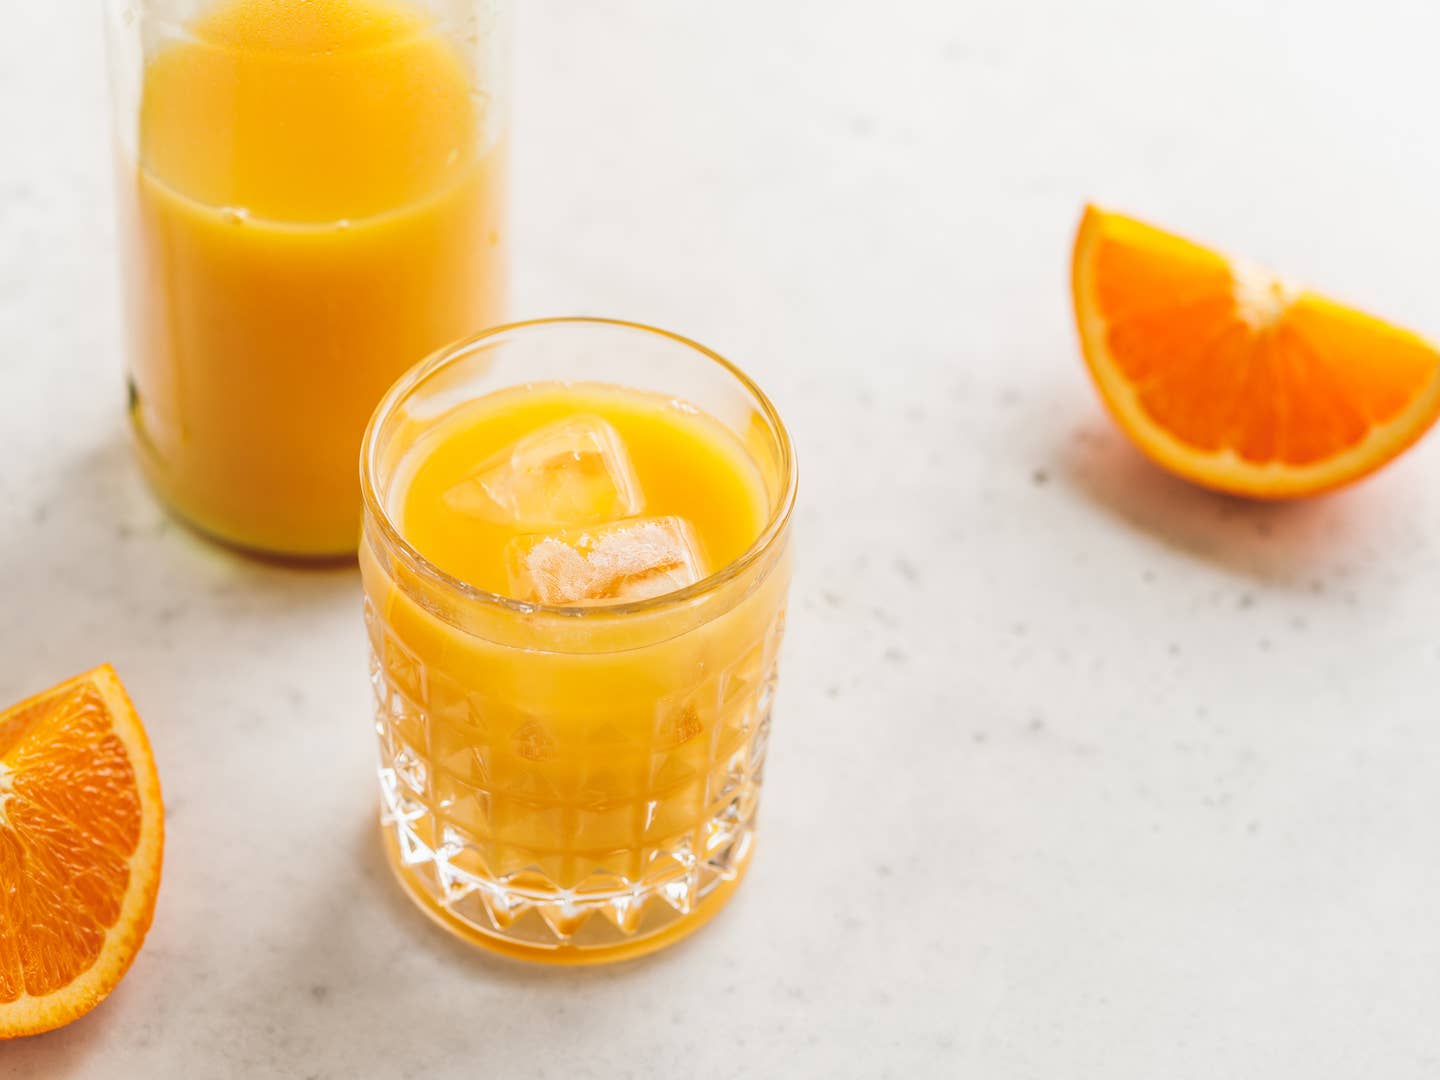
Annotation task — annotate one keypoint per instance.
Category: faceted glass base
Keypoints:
(567, 838)
(603, 948)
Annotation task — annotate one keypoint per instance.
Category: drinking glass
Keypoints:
(572, 784)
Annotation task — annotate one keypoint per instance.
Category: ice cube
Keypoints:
(613, 562)
(572, 472)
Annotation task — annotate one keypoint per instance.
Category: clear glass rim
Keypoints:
(422, 567)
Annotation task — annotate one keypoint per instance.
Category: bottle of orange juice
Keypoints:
(311, 197)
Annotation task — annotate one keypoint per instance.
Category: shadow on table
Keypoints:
(104, 567)
(57, 1054)
(1290, 545)
(103, 572)
(355, 945)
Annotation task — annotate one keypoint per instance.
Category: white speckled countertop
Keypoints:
(1077, 771)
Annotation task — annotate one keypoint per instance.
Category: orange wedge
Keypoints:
(81, 835)
(1234, 377)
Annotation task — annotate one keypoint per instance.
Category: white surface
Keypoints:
(1077, 772)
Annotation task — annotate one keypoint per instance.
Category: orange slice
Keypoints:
(81, 835)
(1236, 378)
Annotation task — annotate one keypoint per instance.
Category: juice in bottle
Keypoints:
(314, 204)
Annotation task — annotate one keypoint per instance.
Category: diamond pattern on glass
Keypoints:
(658, 812)
(404, 671)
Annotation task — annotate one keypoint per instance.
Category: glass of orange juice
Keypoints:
(311, 199)
(575, 561)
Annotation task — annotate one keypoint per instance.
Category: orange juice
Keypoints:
(684, 463)
(575, 594)
(316, 205)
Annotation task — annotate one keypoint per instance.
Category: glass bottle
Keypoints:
(311, 198)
